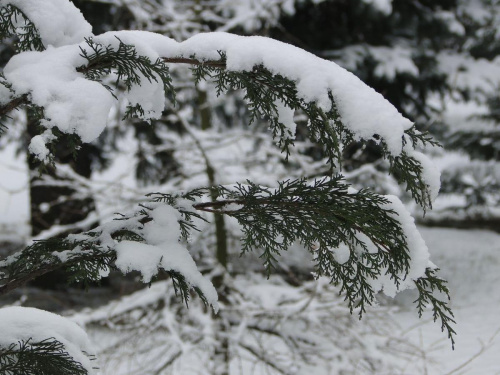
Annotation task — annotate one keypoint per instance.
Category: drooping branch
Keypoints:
(38, 265)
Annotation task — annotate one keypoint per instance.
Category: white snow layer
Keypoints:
(430, 173)
(384, 6)
(71, 103)
(364, 111)
(51, 79)
(163, 250)
(285, 115)
(58, 22)
(418, 251)
(24, 323)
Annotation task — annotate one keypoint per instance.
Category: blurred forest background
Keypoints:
(437, 61)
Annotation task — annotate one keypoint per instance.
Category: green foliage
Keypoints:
(84, 259)
(129, 67)
(13, 22)
(47, 357)
(427, 287)
(323, 216)
(263, 89)
(88, 256)
(409, 170)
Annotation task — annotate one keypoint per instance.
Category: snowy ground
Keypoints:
(470, 261)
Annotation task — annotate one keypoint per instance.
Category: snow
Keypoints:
(59, 22)
(417, 249)
(24, 323)
(53, 83)
(364, 111)
(392, 61)
(430, 173)
(470, 261)
(454, 26)
(467, 116)
(383, 6)
(5, 94)
(163, 250)
(466, 73)
(285, 116)
(14, 199)
(342, 253)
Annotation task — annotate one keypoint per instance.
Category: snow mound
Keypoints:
(163, 251)
(59, 22)
(25, 323)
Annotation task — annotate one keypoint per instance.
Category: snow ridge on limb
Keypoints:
(146, 241)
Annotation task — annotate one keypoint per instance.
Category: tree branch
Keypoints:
(15, 283)
(262, 358)
(13, 104)
(183, 60)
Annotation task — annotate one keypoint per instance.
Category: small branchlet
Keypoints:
(13, 22)
(88, 256)
(427, 287)
(420, 138)
(408, 170)
(263, 90)
(186, 210)
(84, 260)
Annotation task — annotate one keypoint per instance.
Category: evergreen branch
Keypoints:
(47, 357)
(264, 88)
(426, 287)
(14, 22)
(187, 213)
(83, 259)
(422, 138)
(322, 216)
(87, 256)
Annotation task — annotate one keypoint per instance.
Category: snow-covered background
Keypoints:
(446, 80)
